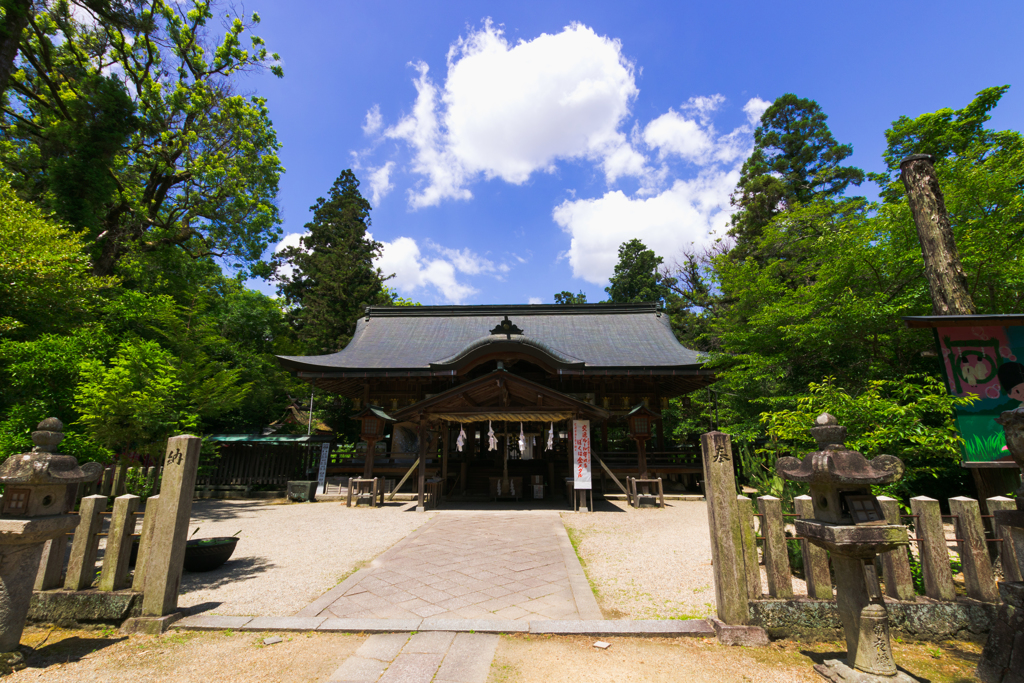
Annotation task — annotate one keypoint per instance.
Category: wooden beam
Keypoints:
(407, 475)
(611, 474)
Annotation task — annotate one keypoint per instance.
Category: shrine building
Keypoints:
(484, 393)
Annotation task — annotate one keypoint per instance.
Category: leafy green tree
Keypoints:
(567, 297)
(795, 160)
(637, 278)
(138, 399)
(131, 131)
(46, 283)
(910, 417)
(329, 279)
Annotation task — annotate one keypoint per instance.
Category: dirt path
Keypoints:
(108, 657)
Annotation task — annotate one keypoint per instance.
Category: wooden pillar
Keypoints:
(604, 435)
(422, 471)
(641, 458)
(371, 450)
(446, 434)
(661, 434)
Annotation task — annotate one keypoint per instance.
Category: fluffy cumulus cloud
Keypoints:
(415, 273)
(507, 111)
(688, 212)
(434, 274)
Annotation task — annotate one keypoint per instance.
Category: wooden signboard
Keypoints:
(581, 454)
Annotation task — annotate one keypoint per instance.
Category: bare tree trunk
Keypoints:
(946, 280)
(15, 20)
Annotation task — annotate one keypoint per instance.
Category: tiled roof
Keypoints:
(414, 338)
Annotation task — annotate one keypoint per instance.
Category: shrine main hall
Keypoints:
(474, 394)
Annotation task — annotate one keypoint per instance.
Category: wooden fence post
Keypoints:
(82, 564)
(745, 512)
(819, 580)
(119, 544)
(899, 583)
(776, 554)
(145, 540)
(1011, 554)
(978, 575)
(167, 545)
(724, 524)
(938, 578)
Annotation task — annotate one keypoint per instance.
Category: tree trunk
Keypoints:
(16, 13)
(946, 280)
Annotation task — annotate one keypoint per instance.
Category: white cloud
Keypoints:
(507, 111)
(534, 300)
(466, 261)
(292, 240)
(414, 272)
(695, 139)
(754, 108)
(374, 121)
(380, 182)
(691, 211)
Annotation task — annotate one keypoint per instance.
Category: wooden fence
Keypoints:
(261, 464)
(767, 527)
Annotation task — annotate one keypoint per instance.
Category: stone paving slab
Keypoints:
(283, 624)
(202, 622)
(369, 625)
(468, 660)
(517, 566)
(476, 625)
(439, 656)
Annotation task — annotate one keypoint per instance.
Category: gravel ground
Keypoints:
(289, 553)
(649, 563)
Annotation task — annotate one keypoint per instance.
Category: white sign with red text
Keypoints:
(581, 454)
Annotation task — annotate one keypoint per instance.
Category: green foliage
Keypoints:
(136, 483)
(130, 130)
(637, 278)
(567, 297)
(795, 161)
(43, 269)
(138, 399)
(911, 418)
(330, 278)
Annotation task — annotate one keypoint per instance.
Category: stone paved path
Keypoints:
(397, 658)
(470, 565)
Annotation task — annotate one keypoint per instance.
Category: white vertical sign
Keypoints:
(581, 454)
(321, 479)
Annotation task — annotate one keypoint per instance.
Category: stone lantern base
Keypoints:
(838, 671)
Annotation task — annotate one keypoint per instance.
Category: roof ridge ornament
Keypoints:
(507, 328)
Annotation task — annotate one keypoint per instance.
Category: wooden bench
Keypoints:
(633, 494)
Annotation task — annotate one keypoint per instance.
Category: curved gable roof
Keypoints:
(603, 336)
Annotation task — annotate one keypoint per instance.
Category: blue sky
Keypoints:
(509, 148)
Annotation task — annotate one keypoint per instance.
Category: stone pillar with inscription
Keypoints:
(166, 555)
(724, 521)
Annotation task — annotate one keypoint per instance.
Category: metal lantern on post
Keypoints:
(373, 420)
(641, 420)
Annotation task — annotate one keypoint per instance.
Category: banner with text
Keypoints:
(581, 454)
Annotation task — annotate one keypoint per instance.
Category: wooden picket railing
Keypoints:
(932, 554)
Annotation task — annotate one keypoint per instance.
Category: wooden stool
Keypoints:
(356, 485)
(633, 496)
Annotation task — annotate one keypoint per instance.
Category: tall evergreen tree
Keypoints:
(330, 278)
(636, 278)
(795, 160)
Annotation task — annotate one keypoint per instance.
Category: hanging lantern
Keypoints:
(641, 421)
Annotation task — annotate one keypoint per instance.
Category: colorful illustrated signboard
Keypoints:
(986, 361)
(581, 454)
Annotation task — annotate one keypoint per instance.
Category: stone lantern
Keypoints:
(848, 522)
(32, 512)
